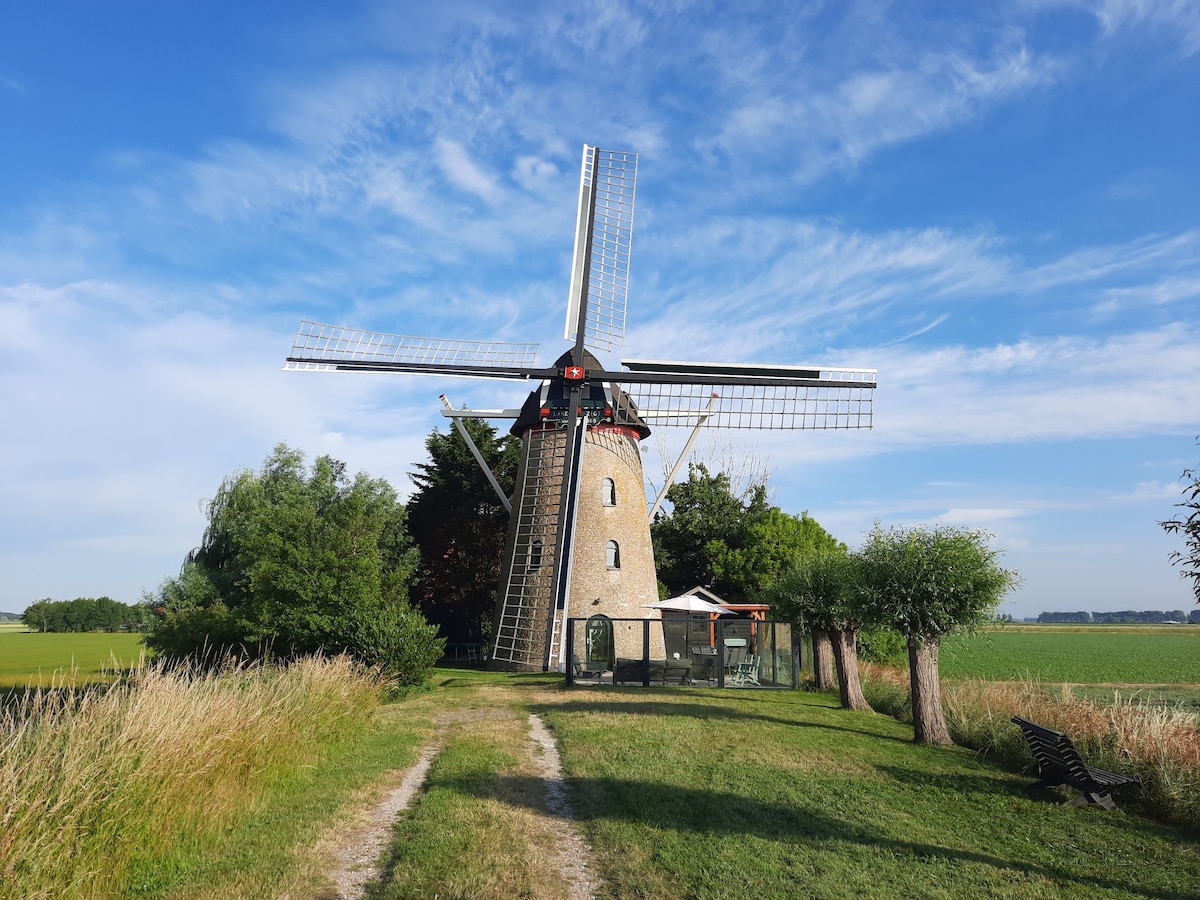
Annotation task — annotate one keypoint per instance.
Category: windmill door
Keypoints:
(599, 641)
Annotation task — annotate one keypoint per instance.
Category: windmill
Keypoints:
(583, 425)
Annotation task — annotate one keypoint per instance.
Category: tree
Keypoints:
(81, 614)
(37, 615)
(771, 540)
(926, 583)
(692, 544)
(820, 591)
(1188, 525)
(736, 549)
(459, 525)
(293, 562)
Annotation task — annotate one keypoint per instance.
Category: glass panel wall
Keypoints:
(683, 650)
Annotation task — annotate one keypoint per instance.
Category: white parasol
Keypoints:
(689, 603)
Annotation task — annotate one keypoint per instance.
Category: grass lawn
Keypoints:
(27, 658)
(715, 794)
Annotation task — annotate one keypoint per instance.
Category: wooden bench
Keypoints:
(661, 671)
(1060, 765)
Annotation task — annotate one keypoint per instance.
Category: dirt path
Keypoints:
(573, 850)
(358, 855)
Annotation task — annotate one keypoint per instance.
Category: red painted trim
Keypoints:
(611, 427)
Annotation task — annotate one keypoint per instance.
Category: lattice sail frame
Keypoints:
(816, 399)
(328, 348)
(607, 183)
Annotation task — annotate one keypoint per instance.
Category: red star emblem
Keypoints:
(573, 373)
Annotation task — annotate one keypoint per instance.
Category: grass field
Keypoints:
(29, 659)
(1104, 655)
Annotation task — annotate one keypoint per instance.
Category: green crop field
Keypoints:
(1108, 655)
(39, 659)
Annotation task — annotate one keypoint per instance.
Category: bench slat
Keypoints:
(1060, 765)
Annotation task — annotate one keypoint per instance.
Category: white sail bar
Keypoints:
(603, 232)
(327, 348)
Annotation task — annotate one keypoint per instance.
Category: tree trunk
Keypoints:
(822, 660)
(845, 654)
(929, 722)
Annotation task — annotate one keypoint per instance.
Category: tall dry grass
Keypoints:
(95, 783)
(1161, 745)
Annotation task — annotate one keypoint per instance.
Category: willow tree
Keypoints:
(926, 583)
(296, 560)
(819, 591)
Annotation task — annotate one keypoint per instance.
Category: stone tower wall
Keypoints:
(614, 452)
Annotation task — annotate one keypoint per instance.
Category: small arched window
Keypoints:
(614, 555)
(608, 490)
(535, 555)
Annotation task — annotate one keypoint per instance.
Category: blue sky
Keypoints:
(998, 208)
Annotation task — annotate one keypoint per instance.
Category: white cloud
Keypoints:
(1041, 389)
(464, 173)
(977, 518)
(1165, 290)
(1177, 19)
(535, 174)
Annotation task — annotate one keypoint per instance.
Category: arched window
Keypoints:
(608, 490)
(614, 555)
(535, 555)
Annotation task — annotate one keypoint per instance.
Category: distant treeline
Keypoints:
(1123, 617)
(86, 614)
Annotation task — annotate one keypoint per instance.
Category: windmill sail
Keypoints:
(725, 395)
(603, 234)
(333, 348)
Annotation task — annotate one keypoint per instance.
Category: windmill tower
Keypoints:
(579, 539)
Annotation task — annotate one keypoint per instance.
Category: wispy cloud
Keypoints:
(1175, 19)
(1056, 388)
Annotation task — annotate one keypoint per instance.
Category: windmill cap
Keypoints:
(597, 395)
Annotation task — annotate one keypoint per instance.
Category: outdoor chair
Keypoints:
(746, 671)
(1060, 765)
(735, 654)
(589, 671)
(704, 662)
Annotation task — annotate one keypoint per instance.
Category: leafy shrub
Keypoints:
(883, 646)
(399, 641)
